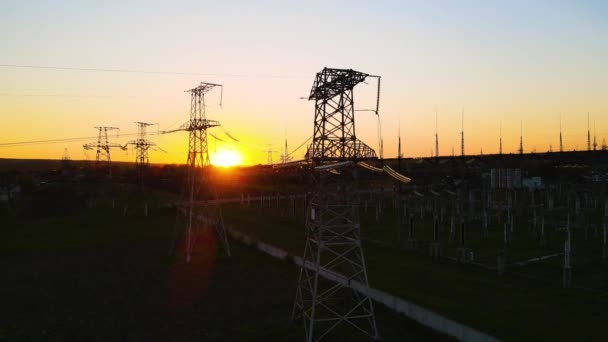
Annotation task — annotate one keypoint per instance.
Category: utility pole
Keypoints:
(209, 214)
(103, 146)
(333, 240)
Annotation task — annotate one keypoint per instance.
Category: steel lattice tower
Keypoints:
(103, 146)
(198, 177)
(142, 145)
(333, 264)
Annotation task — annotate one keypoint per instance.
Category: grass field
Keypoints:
(95, 274)
(527, 303)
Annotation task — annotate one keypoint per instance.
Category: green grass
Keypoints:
(96, 274)
(511, 307)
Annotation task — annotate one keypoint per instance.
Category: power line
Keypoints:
(62, 140)
(134, 71)
(84, 96)
(297, 148)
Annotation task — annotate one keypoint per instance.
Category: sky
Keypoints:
(506, 64)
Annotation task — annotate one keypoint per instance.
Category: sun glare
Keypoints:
(226, 158)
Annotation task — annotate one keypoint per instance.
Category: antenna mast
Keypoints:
(588, 134)
(436, 136)
(561, 143)
(500, 140)
(462, 135)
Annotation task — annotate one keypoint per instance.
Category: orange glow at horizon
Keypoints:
(227, 158)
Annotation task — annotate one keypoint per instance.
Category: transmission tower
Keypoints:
(66, 161)
(66, 155)
(198, 162)
(103, 146)
(142, 145)
(588, 134)
(269, 152)
(521, 138)
(333, 241)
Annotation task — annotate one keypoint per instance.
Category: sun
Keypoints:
(226, 158)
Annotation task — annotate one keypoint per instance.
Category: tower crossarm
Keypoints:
(331, 82)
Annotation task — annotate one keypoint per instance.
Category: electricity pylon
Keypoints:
(333, 263)
(103, 146)
(142, 145)
(207, 212)
(269, 153)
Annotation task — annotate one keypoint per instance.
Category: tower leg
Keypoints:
(333, 268)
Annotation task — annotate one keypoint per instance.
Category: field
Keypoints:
(90, 272)
(526, 303)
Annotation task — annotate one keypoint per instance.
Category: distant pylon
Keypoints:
(103, 146)
(269, 152)
(65, 160)
(521, 137)
(66, 154)
(208, 214)
(142, 145)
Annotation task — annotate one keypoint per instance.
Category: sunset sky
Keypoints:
(504, 62)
